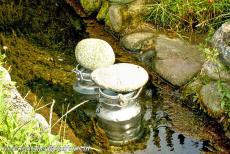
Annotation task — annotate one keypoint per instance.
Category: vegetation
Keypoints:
(15, 135)
(188, 15)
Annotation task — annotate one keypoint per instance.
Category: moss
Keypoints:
(90, 6)
(103, 11)
(47, 23)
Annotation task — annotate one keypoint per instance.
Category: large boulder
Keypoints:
(122, 77)
(138, 41)
(92, 53)
(176, 61)
(221, 40)
(211, 99)
(90, 6)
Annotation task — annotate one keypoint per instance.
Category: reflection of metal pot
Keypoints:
(84, 84)
(120, 116)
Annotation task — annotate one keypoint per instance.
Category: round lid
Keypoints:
(93, 53)
(122, 77)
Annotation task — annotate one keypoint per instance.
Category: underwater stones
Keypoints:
(211, 99)
(176, 61)
(137, 41)
(221, 40)
(115, 17)
(90, 6)
(92, 53)
(122, 77)
(4, 75)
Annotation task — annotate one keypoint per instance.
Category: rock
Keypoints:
(138, 41)
(42, 123)
(103, 11)
(115, 17)
(147, 57)
(4, 75)
(176, 61)
(211, 99)
(213, 71)
(122, 77)
(121, 1)
(93, 53)
(90, 6)
(221, 40)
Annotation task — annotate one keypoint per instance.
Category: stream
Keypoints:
(169, 127)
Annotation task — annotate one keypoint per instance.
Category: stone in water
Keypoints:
(93, 53)
(122, 77)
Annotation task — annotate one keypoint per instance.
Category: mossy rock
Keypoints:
(211, 99)
(90, 6)
(103, 11)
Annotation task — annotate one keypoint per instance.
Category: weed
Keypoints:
(188, 15)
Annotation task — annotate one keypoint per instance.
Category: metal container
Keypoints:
(120, 116)
(84, 84)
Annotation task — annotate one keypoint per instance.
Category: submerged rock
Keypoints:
(93, 53)
(122, 77)
(211, 99)
(138, 41)
(176, 61)
(90, 6)
(221, 40)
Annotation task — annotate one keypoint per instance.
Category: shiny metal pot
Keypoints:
(120, 116)
(84, 84)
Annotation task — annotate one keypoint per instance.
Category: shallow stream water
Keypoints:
(170, 127)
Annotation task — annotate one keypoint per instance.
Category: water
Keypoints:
(170, 127)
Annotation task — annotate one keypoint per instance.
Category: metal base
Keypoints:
(85, 89)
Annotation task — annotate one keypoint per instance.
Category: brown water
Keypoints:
(170, 127)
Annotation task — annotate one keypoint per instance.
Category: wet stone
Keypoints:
(137, 41)
(94, 53)
(211, 99)
(115, 17)
(122, 77)
(176, 61)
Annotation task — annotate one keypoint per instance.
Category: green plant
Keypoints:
(188, 15)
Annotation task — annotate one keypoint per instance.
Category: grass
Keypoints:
(15, 135)
(188, 15)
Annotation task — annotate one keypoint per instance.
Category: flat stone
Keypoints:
(122, 77)
(221, 40)
(211, 99)
(176, 61)
(137, 41)
(93, 53)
